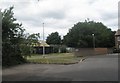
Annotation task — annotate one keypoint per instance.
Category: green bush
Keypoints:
(11, 55)
(25, 50)
(55, 49)
(63, 49)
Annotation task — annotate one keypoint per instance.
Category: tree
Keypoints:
(12, 34)
(28, 42)
(54, 39)
(33, 38)
(80, 35)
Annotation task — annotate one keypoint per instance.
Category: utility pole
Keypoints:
(43, 43)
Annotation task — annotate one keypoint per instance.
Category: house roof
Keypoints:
(117, 32)
(43, 43)
(40, 44)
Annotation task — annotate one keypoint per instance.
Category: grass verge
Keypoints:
(58, 58)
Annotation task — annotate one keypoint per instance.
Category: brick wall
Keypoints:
(91, 51)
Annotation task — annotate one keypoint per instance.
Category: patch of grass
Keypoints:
(58, 58)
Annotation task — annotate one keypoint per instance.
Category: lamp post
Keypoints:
(93, 40)
(43, 43)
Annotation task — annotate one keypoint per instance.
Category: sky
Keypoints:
(61, 15)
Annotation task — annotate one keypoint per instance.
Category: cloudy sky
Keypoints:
(61, 15)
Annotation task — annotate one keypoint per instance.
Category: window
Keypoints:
(119, 38)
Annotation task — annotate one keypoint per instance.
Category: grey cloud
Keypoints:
(57, 14)
(113, 24)
(91, 1)
(28, 18)
(119, 14)
(109, 16)
(35, 21)
(20, 4)
(60, 16)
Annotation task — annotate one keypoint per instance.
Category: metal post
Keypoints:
(43, 42)
(93, 40)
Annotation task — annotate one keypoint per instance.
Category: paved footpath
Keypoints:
(95, 68)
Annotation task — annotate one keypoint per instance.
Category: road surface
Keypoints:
(95, 68)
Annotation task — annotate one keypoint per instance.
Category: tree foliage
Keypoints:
(12, 34)
(27, 44)
(54, 38)
(80, 35)
(33, 38)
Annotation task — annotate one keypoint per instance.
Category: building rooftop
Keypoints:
(40, 44)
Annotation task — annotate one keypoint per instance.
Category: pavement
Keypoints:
(94, 68)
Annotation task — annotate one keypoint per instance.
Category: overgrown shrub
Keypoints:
(55, 49)
(25, 50)
(11, 55)
(63, 49)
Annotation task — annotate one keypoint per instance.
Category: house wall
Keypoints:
(117, 42)
(39, 50)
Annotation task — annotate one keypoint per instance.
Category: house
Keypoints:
(117, 39)
(38, 47)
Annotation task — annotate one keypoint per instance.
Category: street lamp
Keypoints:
(93, 40)
(43, 42)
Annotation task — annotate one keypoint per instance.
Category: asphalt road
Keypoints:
(95, 68)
